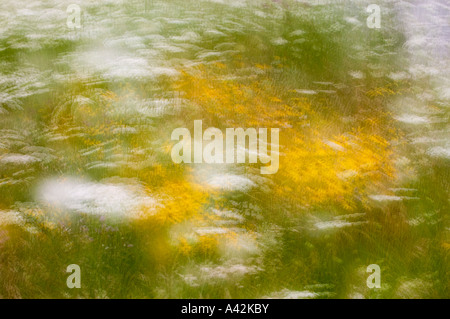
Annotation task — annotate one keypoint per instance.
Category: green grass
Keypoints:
(122, 258)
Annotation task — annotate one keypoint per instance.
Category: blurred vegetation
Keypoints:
(312, 227)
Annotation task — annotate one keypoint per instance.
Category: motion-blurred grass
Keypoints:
(310, 230)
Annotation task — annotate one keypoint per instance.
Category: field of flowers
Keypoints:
(87, 178)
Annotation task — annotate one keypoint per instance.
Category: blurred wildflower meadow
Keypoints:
(86, 175)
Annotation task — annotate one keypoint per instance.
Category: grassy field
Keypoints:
(87, 178)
